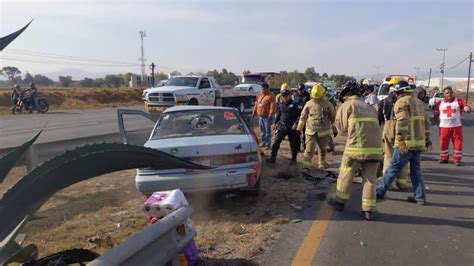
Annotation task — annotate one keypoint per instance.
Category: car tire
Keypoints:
(193, 102)
(255, 191)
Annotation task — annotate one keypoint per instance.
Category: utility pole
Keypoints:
(468, 79)
(417, 73)
(377, 67)
(442, 65)
(429, 80)
(142, 36)
(152, 66)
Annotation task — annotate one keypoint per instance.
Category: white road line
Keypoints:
(48, 127)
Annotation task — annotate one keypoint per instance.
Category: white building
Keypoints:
(458, 84)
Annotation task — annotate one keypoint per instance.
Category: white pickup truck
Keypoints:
(197, 90)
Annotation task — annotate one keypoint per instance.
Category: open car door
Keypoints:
(121, 124)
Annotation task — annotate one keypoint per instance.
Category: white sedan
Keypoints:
(257, 88)
(212, 136)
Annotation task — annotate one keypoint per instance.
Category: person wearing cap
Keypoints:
(387, 120)
(412, 137)
(358, 121)
(285, 125)
(265, 108)
(300, 98)
(317, 116)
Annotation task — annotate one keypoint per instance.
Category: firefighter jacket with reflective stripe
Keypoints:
(413, 124)
(358, 121)
(317, 115)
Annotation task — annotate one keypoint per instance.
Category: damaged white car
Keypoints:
(212, 136)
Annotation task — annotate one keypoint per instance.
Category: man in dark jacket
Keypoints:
(300, 98)
(285, 125)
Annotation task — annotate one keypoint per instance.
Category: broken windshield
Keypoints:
(198, 123)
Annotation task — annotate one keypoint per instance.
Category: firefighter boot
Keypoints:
(335, 204)
(368, 215)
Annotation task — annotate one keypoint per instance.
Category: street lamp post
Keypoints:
(442, 65)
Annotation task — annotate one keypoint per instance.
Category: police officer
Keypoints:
(317, 116)
(358, 121)
(285, 125)
(412, 137)
(301, 97)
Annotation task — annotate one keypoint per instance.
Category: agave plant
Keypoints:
(25, 197)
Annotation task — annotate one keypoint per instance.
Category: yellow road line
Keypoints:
(310, 245)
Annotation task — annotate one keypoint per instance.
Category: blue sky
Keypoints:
(345, 37)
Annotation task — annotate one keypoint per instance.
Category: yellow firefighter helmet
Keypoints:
(284, 86)
(317, 91)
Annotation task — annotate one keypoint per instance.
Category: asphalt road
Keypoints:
(16, 129)
(440, 233)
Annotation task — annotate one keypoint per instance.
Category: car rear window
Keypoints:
(198, 123)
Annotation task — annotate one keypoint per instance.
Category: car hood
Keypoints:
(172, 89)
(204, 145)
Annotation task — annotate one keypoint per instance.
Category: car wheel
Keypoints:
(255, 191)
(193, 102)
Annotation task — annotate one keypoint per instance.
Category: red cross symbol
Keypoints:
(449, 111)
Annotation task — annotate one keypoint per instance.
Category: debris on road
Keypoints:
(294, 221)
(363, 244)
(296, 207)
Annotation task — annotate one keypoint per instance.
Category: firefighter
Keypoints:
(285, 125)
(358, 121)
(318, 114)
(388, 121)
(448, 112)
(412, 137)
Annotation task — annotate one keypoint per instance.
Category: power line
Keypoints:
(63, 57)
(63, 63)
(458, 64)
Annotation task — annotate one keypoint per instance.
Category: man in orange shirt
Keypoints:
(265, 108)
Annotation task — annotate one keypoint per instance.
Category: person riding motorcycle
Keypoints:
(15, 94)
(33, 90)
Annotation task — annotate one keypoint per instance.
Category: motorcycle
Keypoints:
(25, 102)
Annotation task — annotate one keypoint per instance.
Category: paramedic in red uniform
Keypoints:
(448, 113)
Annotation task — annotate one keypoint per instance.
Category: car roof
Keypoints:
(196, 108)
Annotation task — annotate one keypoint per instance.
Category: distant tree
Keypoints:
(28, 78)
(87, 82)
(98, 82)
(247, 71)
(65, 81)
(324, 76)
(296, 78)
(126, 78)
(42, 80)
(12, 73)
(310, 74)
(161, 76)
(114, 81)
(224, 77)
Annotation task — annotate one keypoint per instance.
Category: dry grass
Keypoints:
(109, 208)
(61, 99)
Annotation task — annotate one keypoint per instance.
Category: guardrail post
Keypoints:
(31, 157)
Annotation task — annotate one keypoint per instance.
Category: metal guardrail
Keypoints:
(158, 244)
(38, 153)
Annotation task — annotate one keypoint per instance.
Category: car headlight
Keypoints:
(144, 95)
(181, 98)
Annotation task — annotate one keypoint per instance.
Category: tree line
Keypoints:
(223, 77)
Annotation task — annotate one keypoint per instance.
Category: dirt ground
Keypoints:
(61, 99)
(102, 212)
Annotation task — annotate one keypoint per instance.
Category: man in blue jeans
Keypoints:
(412, 137)
(265, 107)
